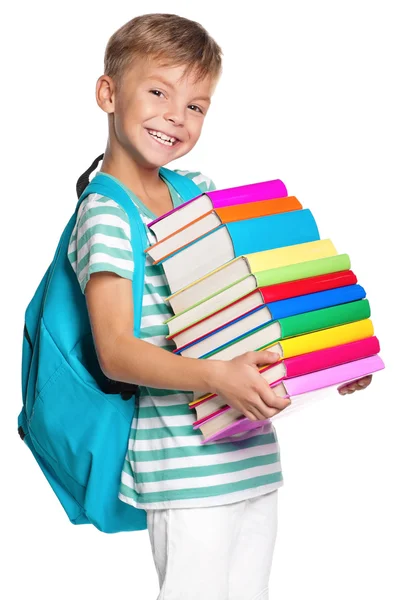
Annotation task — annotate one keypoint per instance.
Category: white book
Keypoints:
(181, 217)
(212, 304)
(214, 283)
(264, 336)
(184, 236)
(198, 259)
(229, 313)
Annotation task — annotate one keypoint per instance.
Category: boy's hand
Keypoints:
(239, 382)
(352, 387)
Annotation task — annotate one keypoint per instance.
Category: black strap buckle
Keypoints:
(126, 390)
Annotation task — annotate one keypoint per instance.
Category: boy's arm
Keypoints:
(123, 357)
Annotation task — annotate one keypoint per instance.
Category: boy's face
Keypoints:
(154, 99)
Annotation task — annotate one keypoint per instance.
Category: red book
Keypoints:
(259, 297)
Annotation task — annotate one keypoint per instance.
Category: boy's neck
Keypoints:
(146, 184)
(143, 182)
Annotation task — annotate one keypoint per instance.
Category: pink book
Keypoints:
(340, 374)
(297, 386)
(329, 357)
(187, 212)
(315, 361)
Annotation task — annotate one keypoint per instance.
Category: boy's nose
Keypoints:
(175, 117)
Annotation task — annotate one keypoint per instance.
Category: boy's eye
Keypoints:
(159, 92)
(199, 109)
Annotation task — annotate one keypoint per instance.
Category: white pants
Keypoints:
(215, 553)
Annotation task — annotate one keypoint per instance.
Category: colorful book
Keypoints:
(290, 327)
(255, 299)
(236, 239)
(267, 263)
(214, 218)
(232, 422)
(189, 211)
(316, 340)
(302, 310)
(296, 366)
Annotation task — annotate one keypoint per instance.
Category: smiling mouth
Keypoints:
(164, 142)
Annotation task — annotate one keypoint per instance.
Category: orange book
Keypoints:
(219, 216)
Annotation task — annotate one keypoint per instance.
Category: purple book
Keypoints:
(200, 205)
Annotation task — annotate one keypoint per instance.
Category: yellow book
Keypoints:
(317, 340)
(290, 255)
(242, 266)
(325, 338)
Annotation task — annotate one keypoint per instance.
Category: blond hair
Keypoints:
(169, 39)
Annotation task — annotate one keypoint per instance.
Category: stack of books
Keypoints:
(247, 271)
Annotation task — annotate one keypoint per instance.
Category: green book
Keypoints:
(310, 268)
(292, 327)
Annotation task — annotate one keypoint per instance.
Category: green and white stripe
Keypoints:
(166, 465)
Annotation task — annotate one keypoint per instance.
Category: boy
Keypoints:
(211, 509)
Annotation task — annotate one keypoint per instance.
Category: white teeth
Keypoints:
(163, 136)
(164, 139)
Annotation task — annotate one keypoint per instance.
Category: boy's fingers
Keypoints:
(264, 358)
(255, 414)
(354, 386)
(272, 400)
(345, 390)
(364, 382)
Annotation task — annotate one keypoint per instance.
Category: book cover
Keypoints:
(329, 357)
(309, 285)
(303, 270)
(332, 376)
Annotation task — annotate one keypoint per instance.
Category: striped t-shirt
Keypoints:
(166, 465)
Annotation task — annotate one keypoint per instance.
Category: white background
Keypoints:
(309, 96)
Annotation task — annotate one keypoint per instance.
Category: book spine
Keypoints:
(311, 268)
(290, 289)
(262, 208)
(275, 231)
(330, 357)
(301, 305)
(324, 318)
(333, 376)
(264, 190)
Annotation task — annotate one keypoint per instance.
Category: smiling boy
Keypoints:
(211, 509)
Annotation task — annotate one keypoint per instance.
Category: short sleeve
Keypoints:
(101, 240)
(205, 183)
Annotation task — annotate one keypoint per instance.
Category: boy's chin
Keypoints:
(159, 160)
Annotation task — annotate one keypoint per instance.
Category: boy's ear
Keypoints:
(105, 94)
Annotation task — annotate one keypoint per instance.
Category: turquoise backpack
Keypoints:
(75, 421)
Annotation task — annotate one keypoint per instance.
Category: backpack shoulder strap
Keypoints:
(105, 186)
(184, 186)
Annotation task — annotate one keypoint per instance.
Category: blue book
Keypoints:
(230, 240)
(263, 315)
